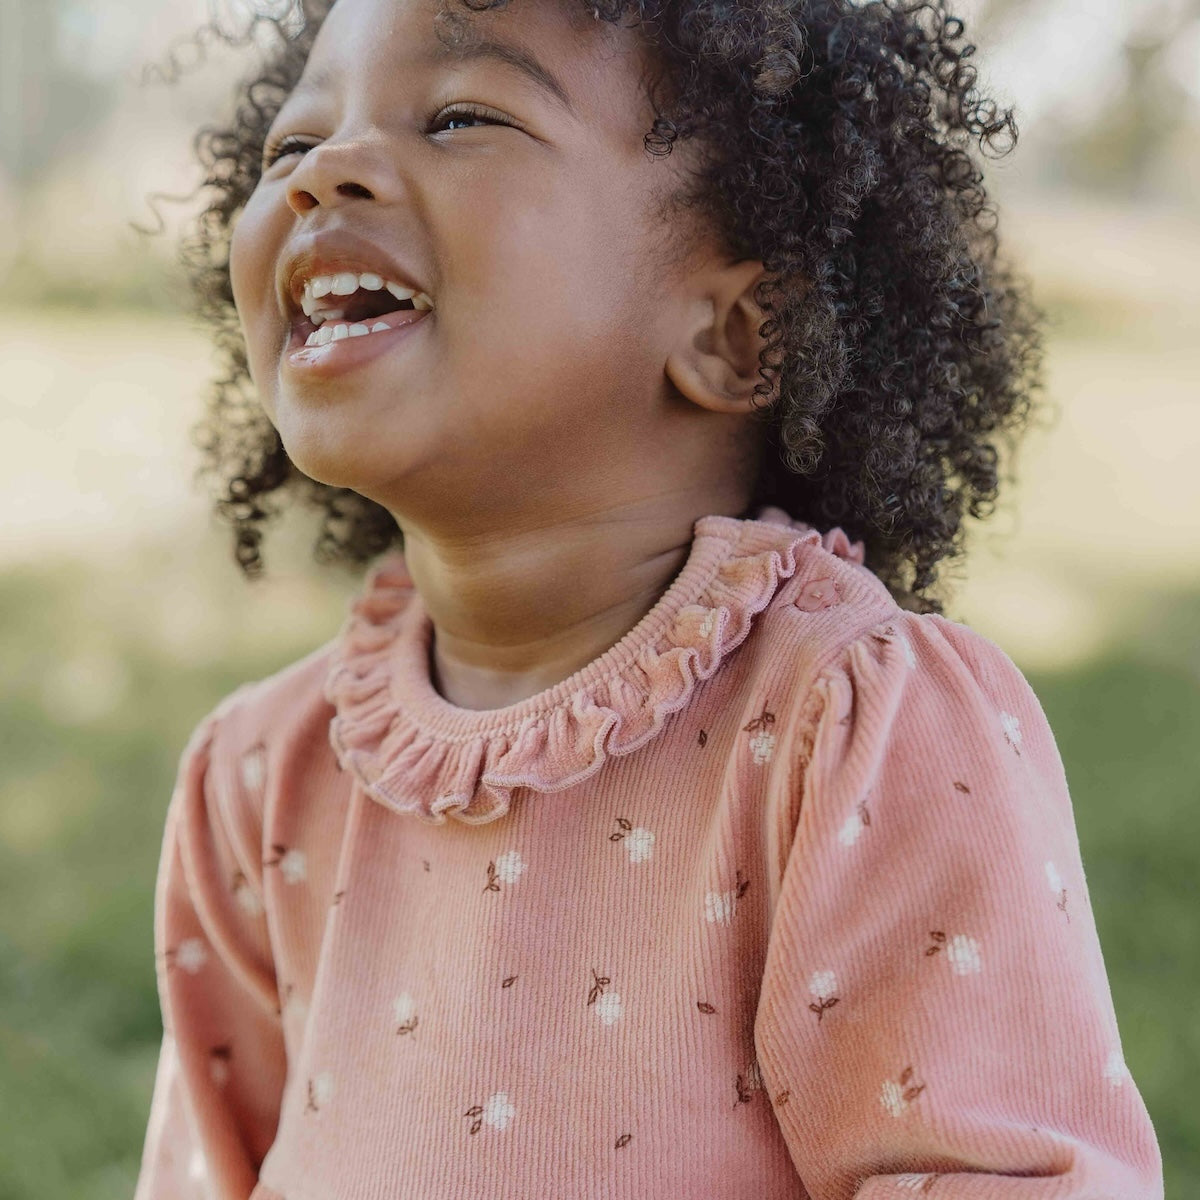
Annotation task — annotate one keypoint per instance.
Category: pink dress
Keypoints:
(779, 898)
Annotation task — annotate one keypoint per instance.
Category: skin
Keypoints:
(583, 395)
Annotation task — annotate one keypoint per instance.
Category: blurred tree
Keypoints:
(1141, 118)
(50, 101)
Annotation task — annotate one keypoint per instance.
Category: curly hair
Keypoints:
(838, 139)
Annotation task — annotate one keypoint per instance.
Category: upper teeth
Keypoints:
(346, 284)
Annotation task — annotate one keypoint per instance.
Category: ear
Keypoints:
(715, 361)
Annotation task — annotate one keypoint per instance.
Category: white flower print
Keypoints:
(294, 866)
(404, 1008)
(640, 844)
(913, 1183)
(1012, 729)
(191, 955)
(1115, 1070)
(608, 1008)
(909, 656)
(254, 768)
(197, 1167)
(762, 745)
(1056, 883)
(895, 1095)
(853, 826)
(248, 899)
(323, 1087)
(707, 627)
(891, 1098)
(822, 984)
(509, 866)
(497, 1111)
(718, 907)
(963, 954)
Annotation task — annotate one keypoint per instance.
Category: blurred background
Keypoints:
(123, 619)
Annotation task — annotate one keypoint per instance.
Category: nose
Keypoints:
(328, 174)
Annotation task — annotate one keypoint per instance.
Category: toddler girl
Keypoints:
(647, 832)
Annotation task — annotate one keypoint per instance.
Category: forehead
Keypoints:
(594, 62)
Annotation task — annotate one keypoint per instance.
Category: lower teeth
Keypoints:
(326, 334)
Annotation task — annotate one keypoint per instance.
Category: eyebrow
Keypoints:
(467, 51)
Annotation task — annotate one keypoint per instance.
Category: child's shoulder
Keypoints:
(834, 615)
(267, 712)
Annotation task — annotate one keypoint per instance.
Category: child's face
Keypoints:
(539, 371)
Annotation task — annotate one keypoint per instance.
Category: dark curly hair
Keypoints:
(838, 151)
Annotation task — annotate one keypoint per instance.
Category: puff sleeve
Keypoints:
(935, 1016)
(222, 1063)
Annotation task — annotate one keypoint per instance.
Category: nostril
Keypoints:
(355, 189)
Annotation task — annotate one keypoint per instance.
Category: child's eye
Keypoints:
(274, 151)
(461, 112)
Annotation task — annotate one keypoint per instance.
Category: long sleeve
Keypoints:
(935, 1016)
(222, 1064)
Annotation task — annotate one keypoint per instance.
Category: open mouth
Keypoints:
(352, 306)
(306, 333)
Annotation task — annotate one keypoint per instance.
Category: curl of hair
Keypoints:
(837, 142)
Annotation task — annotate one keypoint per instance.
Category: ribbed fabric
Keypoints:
(780, 897)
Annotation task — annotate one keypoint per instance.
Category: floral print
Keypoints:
(718, 906)
(1012, 730)
(639, 842)
(897, 1095)
(822, 985)
(497, 1112)
(292, 864)
(962, 952)
(507, 869)
(762, 744)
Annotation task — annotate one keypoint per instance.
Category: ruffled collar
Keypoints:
(415, 752)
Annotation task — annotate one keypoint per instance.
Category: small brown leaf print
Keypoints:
(821, 1006)
(895, 1096)
(475, 1111)
(863, 815)
(782, 1098)
(703, 738)
(1062, 904)
(742, 885)
(764, 721)
(601, 982)
(337, 897)
(939, 937)
(426, 862)
(625, 825)
(910, 1093)
(311, 1106)
(408, 1026)
(745, 1093)
(492, 884)
(623, 1140)
(509, 981)
(845, 720)
(279, 851)
(705, 1007)
(962, 787)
